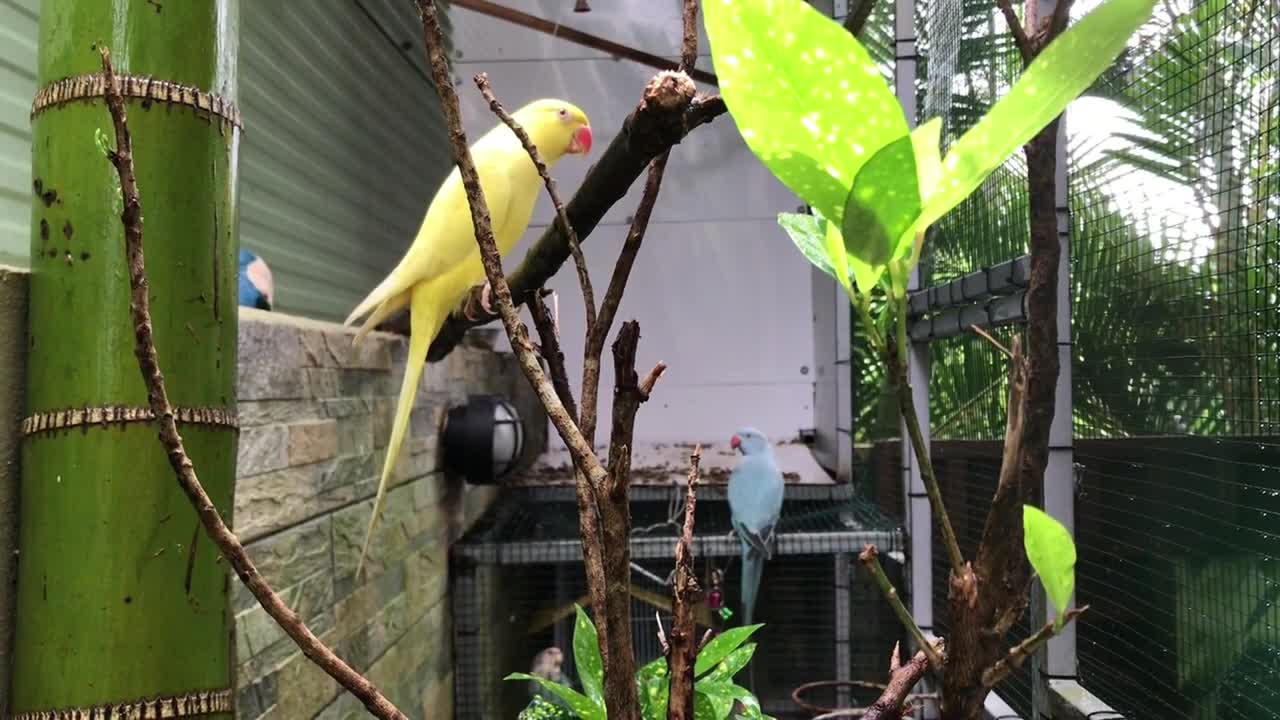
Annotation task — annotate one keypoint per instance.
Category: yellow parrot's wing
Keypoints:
(446, 236)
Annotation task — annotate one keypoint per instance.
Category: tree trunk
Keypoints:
(121, 597)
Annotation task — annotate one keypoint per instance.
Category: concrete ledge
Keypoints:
(1070, 701)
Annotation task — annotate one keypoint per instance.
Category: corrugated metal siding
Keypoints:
(344, 142)
(343, 147)
(19, 25)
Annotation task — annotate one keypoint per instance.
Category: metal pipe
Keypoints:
(595, 42)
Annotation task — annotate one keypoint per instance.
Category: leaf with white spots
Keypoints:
(1064, 70)
(806, 97)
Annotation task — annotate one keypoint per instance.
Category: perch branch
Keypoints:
(581, 451)
(994, 343)
(158, 399)
(684, 648)
(858, 15)
(870, 559)
(584, 278)
(993, 675)
(666, 113)
(1019, 34)
(549, 337)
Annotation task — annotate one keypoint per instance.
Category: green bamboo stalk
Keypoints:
(121, 596)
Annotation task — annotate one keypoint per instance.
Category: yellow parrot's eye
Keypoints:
(564, 113)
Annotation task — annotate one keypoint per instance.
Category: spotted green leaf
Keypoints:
(577, 702)
(720, 647)
(808, 233)
(1063, 70)
(653, 688)
(731, 665)
(1052, 553)
(542, 709)
(805, 95)
(586, 657)
(713, 701)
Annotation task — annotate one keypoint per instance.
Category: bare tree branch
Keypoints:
(584, 278)
(1019, 34)
(892, 703)
(583, 455)
(684, 649)
(1019, 653)
(158, 399)
(599, 332)
(549, 338)
(870, 559)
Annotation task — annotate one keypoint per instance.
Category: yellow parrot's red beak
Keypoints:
(580, 143)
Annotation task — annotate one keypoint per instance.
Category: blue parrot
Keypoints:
(755, 502)
(255, 281)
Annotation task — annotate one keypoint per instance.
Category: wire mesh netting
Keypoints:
(1176, 268)
(518, 573)
(1175, 203)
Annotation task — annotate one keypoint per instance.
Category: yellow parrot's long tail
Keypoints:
(426, 316)
(388, 308)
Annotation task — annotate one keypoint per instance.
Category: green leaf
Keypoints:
(542, 709)
(882, 205)
(731, 665)
(1064, 70)
(808, 233)
(579, 703)
(653, 688)
(713, 701)
(586, 657)
(805, 95)
(1052, 553)
(721, 645)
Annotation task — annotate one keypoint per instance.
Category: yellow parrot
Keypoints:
(444, 261)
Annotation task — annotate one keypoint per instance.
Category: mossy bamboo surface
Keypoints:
(121, 595)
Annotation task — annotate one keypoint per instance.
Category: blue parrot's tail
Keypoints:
(752, 570)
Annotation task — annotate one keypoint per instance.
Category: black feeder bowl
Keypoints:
(483, 439)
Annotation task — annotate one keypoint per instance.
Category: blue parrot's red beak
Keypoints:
(580, 144)
(735, 442)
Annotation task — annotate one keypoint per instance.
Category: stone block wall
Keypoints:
(315, 417)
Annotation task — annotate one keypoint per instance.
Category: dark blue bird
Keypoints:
(255, 281)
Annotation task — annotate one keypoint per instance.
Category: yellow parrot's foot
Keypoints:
(486, 293)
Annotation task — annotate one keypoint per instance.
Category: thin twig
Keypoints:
(549, 337)
(976, 330)
(580, 262)
(683, 646)
(598, 332)
(1019, 34)
(583, 455)
(1018, 654)
(870, 559)
(158, 399)
(906, 407)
